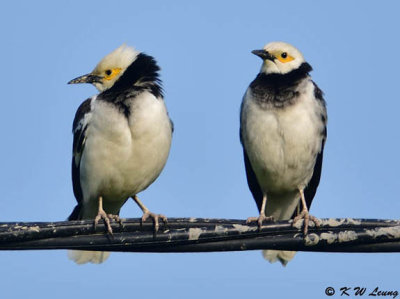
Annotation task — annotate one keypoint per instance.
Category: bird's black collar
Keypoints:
(140, 76)
(281, 80)
(143, 72)
(278, 90)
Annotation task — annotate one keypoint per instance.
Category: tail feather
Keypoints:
(83, 256)
(283, 256)
(281, 207)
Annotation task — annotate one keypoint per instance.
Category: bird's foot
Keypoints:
(260, 219)
(307, 218)
(106, 217)
(147, 214)
(116, 218)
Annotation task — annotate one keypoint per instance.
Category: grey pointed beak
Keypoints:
(89, 78)
(263, 54)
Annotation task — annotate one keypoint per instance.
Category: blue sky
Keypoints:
(204, 50)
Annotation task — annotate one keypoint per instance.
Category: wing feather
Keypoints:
(251, 177)
(311, 189)
(79, 130)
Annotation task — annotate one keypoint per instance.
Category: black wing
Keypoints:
(311, 189)
(79, 131)
(252, 181)
(251, 177)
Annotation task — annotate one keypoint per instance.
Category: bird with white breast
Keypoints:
(122, 139)
(283, 131)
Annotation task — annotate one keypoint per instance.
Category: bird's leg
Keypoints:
(305, 214)
(103, 215)
(262, 217)
(147, 214)
(116, 218)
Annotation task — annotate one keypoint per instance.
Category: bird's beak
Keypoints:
(89, 78)
(263, 54)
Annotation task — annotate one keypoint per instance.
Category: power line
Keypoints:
(204, 235)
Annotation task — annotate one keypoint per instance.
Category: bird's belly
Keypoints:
(126, 172)
(118, 163)
(282, 148)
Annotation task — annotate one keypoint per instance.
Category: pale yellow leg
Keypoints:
(147, 214)
(305, 214)
(103, 215)
(262, 217)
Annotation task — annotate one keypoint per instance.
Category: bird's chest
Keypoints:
(123, 155)
(282, 143)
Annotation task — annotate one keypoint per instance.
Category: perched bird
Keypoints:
(283, 130)
(122, 138)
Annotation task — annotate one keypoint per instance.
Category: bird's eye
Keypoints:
(285, 57)
(110, 74)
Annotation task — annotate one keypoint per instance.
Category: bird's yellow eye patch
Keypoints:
(111, 73)
(284, 57)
